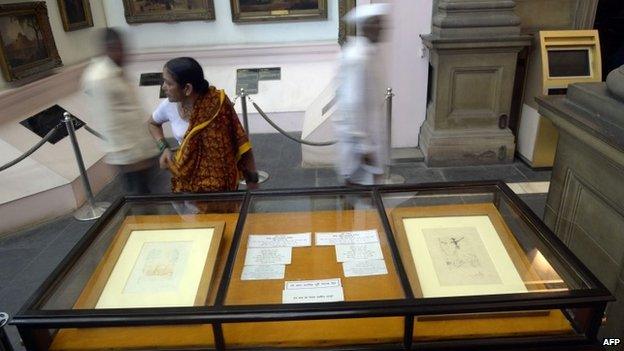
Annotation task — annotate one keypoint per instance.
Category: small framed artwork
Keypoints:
(27, 46)
(461, 250)
(278, 10)
(75, 14)
(155, 264)
(141, 11)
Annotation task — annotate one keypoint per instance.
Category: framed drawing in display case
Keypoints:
(27, 46)
(75, 14)
(155, 264)
(141, 11)
(461, 250)
(278, 10)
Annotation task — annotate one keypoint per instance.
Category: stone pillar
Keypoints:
(473, 47)
(585, 205)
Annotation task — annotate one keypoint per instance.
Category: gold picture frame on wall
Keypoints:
(278, 10)
(144, 11)
(27, 46)
(155, 264)
(461, 250)
(75, 14)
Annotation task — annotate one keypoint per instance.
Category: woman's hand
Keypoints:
(166, 159)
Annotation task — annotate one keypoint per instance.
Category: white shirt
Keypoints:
(359, 122)
(117, 113)
(168, 112)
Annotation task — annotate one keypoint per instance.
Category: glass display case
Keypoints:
(387, 267)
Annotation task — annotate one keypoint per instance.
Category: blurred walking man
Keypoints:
(360, 124)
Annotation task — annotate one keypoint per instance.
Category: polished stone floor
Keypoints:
(27, 257)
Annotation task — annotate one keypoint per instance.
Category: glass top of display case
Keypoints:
(416, 260)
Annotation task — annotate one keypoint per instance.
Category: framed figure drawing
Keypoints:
(461, 250)
(155, 264)
(277, 10)
(141, 11)
(75, 14)
(27, 46)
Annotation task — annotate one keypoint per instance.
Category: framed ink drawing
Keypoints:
(75, 14)
(141, 11)
(461, 250)
(155, 264)
(277, 10)
(27, 46)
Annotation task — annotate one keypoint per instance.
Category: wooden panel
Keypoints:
(315, 333)
(315, 262)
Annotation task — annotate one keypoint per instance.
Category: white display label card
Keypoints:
(265, 272)
(359, 268)
(358, 252)
(280, 240)
(312, 284)
(268, 256)
(334, 294)
(347, 238)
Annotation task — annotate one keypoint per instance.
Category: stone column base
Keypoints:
(443, 148)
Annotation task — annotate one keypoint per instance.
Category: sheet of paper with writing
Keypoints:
(280, 240)
(332, 294)
(370, 251)
(312, 284)
(360, 268)
(263, 272)
(346, 238)
(268, 256)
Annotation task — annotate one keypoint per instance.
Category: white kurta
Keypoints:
(359, 122)
(117, 114)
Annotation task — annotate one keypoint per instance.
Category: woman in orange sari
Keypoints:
(215, 151)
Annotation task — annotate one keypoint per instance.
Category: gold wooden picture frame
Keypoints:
(155, 264)
(278, 10)
(345, 29)
(75, 14)
(425, 234)
(144, 11)
(27, 46)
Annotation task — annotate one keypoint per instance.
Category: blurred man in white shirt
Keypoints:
(118, 115)
(359, 123)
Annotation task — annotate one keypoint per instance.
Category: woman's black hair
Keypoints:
(186, 70)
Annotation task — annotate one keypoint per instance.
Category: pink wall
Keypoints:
(407, 64)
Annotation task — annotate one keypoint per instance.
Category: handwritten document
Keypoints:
(359, 268)
(358, 252)
(268, 256)
(263, 272)
(280, 240)
(347, 238)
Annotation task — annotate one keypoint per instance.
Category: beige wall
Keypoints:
(73, 46)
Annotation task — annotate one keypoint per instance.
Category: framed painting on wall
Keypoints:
(155, 264)
(461, 250)
(75, 14)
(27, 46)
(141, 11)
(277, 10)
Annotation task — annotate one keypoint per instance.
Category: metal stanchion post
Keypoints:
(390, 178)
(5, 344)
(91, 209)
(262, 175)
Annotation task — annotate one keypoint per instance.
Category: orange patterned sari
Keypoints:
(208, 159)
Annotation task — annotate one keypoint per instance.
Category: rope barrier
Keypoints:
(300, 141)
(92, 131)
(34, 148)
